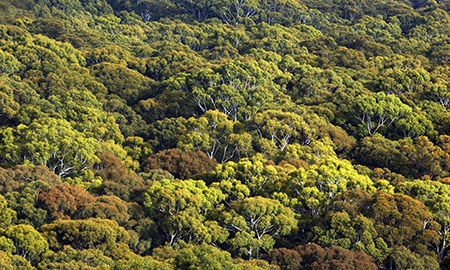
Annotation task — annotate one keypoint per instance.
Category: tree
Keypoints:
(402, 221)
(378, 151)
(416, 124)
(255, 221)
(12, 262)
(198, 9)
(28, 242)
(138, 262)
(83, 111)
(182, 208)
(8, 105)
(203, 256)
(7, 216)
(427, 158)
(117, 180)
(238, 89)
(23, 201)
(286, 259)
(136, 148)
(181, 164)
(129, 121)
(10, 64)
(351, 202)
(315, 82)
(49, 142)
(166, 132)
(106, 207)
(376, 111)
(434, 195)
(13, 178)
(128, 84)
(281, 12)
(319, 184)
(355, 233)
(69, 258)
(402, 258)
(233, 12)
(313, 256)
(95, 233)
(255, 173)
(213, 134)
(282, 128)
(396, 80)
(64, 201)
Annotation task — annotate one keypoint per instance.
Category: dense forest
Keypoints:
(224, 134)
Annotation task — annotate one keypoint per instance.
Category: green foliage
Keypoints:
(11, 262)
(274, 107)
(202, 257)
(49, 142)
(213, 134)
(357, 233)
(278, 128)
(256, 221)
(7, 216)
(28, 242)
(182, 209)
(317, 185)
(23, 201)
(402, 258)
(96, 233)
(399, 225)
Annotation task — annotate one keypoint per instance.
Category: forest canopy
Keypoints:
(234, 134)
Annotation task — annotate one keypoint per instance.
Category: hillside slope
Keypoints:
(245, 134)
